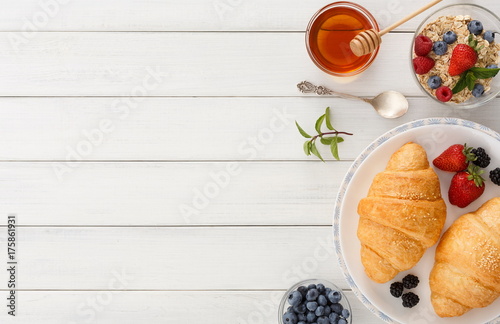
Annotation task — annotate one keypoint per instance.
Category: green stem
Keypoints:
(330, 133)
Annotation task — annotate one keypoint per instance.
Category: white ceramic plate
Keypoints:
(435, 135)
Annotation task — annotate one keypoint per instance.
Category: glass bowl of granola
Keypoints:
(455, 55)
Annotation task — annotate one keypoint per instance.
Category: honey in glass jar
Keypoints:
(328, 36)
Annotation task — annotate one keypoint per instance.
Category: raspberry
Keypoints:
(423, 45)
(482, 158)
(495, 176)
(444, 94)
(422, 64)
(410, 281)
(397, 289)
(410, 300)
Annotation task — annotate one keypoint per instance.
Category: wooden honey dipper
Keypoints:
(368, 40)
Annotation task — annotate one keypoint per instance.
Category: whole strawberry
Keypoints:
(455, 158)
(463, 57)
(466, 186)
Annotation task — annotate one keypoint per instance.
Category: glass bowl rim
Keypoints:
(463, 105)
(328, 284)
(368, 15)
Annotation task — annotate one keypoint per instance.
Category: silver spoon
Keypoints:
(388, 104)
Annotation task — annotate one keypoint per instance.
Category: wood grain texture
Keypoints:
(207, 258)
(186, 64)
(192, 15)
(155, 307)
(195, 129)
(172, 194)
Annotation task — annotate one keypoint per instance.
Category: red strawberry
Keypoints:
(422, 64)
(466, 186)
(463, 58)
(423, 45)
(455, 158)
(444, 93)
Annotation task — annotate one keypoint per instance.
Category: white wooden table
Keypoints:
(149, 151)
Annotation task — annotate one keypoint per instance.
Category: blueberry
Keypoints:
(434, 82)
(478, 90)
(342, 321)
(321, 288)
(327, 291)
(301, 317)
(312, 305)
(301, 322)
(311, 317)
(303, 291)
(312, 294)
(450, 37)
(489, 36)
(334, 317)
(290, 318)
(492, 66)
(320, 311)
(295, 298)
(337, 308)
(334, 296)
(323, 320)
(322, 300)
(311, 286)
(440, 48)
(475, 27)
(345, 313)
(328, 310)
(300, 309)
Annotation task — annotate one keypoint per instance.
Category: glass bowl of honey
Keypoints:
(329, 33)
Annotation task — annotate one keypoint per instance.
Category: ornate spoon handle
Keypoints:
(308, 87)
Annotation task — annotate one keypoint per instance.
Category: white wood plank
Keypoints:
(185, 64)
(180, 129)
(192, 15)
(166, 194)
(214, 258)
(126, 307)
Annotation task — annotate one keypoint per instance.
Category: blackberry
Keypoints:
(397, 289)
(410, 281)
(410, 300)
(482, 158)
(495, 176)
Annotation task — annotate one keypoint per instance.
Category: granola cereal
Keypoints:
(486, 56)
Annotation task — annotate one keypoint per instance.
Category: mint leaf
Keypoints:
(470, 80)
(484, 73)
(315, 151)
(334, 148)
(326, 140)
(307, 148)
(319, 122)
(301, 131)
(327, 119)
(461, 84)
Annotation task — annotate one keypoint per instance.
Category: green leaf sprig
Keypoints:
(330, 138)
(468, 78)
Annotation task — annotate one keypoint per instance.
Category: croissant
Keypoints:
(466, 272)
(402, 215)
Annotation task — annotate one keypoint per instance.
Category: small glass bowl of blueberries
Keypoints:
(314, 301)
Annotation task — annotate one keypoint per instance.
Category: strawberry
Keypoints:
(455, 158)
(422, 64)
(463, 57)
(466, 186)
(423, 45)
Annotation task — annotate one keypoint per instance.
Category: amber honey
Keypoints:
(329, 34)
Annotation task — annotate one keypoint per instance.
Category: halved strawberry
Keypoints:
(455, 158)
(466, 186)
